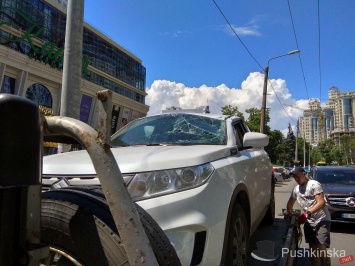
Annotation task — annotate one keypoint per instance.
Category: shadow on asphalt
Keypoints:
(275, 235)
(343, 228)
(304, 259)
(283, 183)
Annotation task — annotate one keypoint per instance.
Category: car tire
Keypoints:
(238, 238)
(78, 223)
(269, 217)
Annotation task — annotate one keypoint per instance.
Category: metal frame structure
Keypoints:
(20, 199)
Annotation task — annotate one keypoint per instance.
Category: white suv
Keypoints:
(205, 179)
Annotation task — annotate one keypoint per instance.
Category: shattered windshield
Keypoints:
(172, 129)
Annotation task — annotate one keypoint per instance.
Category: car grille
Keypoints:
(338, 201)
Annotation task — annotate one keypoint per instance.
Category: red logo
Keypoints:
(346, 259)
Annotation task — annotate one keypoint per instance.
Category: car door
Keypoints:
(257, 172)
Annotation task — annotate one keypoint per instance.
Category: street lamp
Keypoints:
(263, 106)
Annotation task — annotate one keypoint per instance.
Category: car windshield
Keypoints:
(336, 177)
(172, 129)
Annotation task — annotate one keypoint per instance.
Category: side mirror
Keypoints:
(255, 140)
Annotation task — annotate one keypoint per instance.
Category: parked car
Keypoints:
(339, 189)
(279, 174)
(205, 179)
(287, 172)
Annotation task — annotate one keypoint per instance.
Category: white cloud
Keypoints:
(164, 93)
(249, 29)
(246, 30)
(175, 34)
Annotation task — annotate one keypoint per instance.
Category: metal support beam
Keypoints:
(123, 210)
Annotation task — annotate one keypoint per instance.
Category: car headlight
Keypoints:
(151, 184)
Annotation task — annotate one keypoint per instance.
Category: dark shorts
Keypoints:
(320, 234)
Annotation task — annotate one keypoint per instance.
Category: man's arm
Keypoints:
(319, 204)
(290, 203)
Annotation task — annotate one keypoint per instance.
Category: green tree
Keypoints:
(316, 156)
(276, 138)
(303, 149)
(230, 110)
(255, 118)
(325, 148)
(345, 147)
(280, 150)
(338, 154)
(290, 147)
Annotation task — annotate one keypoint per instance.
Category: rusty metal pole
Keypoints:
(124, 213)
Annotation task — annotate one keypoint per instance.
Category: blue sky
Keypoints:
(189, 45)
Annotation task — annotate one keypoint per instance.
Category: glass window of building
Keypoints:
(8, 85)
(41, 21)
(40, 95)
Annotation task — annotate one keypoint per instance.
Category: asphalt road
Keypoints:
(342, 235)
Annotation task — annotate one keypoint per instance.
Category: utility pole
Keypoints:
(296, 150)
(309, 156)
(73, 51)
(266, 77)
(263, 106)
(304, 149)
(72, 68)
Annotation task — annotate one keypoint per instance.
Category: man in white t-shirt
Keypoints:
(314, 215)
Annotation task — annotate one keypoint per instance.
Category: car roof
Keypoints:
(215, 116)
(332, 168)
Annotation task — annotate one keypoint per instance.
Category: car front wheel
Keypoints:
(238, 239)
(78, 226)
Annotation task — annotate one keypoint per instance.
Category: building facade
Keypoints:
(32, 36)
(331, 121)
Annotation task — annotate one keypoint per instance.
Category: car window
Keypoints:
(336, 177)
(174, 129)
(239, 130)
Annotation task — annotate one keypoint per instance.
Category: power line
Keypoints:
(251, 56)
(246, 48)
(283, 107)
(299, 55)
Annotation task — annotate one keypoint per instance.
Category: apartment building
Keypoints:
(331, 121)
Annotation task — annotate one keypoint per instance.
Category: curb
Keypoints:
(290, 244)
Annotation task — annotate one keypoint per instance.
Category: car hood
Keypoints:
(338, 189)
(135, 159)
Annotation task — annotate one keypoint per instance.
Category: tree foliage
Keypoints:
(303, 149)
(345, 147)
(231, 110)
(290, 147)
(276, 139)
(337, 154)
(281, 150)
(325, 148)
(316, 156)
(254, 120)
(341, 154)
